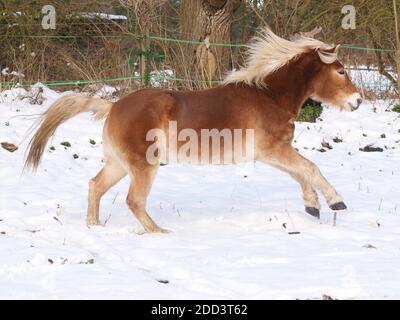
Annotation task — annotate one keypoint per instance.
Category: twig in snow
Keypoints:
(32, 231)
(55, 218)
(9, 146)
(380, 205)
(369, 246)
(334, 218)
(290, 218)
(105, 221)
(162, 281)
(259, 197)
(115, 198)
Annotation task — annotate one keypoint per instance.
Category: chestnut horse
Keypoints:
(265, 95)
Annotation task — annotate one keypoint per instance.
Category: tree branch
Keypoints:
(379, 58)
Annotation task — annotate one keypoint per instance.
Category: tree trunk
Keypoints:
(397, 44)
(206, 21)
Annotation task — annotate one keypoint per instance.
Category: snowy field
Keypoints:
(239, 232)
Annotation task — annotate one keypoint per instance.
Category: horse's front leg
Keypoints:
(288, 158)
(310, 196)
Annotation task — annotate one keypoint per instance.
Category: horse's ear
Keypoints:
(328, 56)
(333, 49)
(337, 48)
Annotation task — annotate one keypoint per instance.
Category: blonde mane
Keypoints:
(267, 53)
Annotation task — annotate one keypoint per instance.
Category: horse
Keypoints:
(264, 95)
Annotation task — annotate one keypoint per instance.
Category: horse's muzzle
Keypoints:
(354, 105)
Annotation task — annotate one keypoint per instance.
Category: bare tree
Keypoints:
(207, 21)
(146, 16)
(396, 21)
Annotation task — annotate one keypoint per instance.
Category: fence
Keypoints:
(147, 54)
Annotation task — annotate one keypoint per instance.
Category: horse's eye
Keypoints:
(341, 72)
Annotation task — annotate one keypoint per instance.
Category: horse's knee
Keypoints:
(134, 204)
(94, 186)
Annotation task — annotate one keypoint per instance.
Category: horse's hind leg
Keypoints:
(111, 173)
(141, 182)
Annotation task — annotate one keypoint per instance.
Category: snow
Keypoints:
(107, 16)
(369, 78)
(5, 72)
(231, 224)
(159, 78)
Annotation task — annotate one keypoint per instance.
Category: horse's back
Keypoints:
(222, 108)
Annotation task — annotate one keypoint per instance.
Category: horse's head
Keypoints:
(306, 60)
(332, 84)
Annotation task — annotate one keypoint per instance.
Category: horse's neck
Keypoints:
(290, 86)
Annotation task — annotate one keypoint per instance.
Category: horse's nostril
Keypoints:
(359, 101)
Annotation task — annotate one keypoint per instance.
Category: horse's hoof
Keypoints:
(338, 206)
(162, 230)
(313, 211)
(157, 229)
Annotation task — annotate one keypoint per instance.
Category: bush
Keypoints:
(309, 113)
(396, 108)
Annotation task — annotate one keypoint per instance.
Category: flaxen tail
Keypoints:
(60, 111)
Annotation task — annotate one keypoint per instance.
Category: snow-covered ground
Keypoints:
(233, 225)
